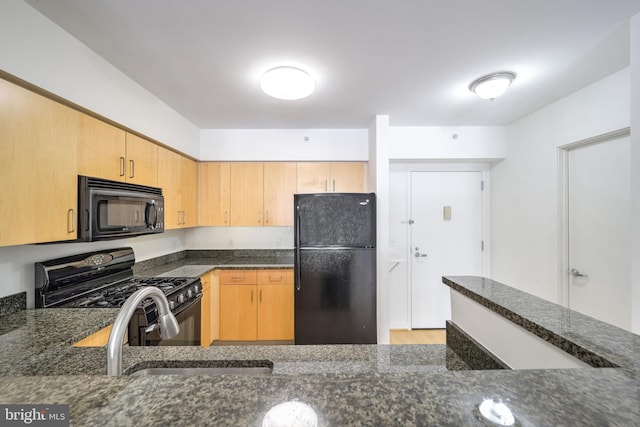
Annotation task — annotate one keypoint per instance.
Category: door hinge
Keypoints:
(481, 185)
(482, 245)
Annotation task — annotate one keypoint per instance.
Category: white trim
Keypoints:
(563, 205)
(439, 166)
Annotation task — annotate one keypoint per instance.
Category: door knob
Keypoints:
(576, 273)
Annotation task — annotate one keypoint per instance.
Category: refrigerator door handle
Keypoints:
(297, 244)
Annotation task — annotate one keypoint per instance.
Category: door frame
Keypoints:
(484, 169)
(563, 204)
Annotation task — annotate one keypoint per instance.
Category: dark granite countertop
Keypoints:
(193, 263)
(365, 385)
(595, 342)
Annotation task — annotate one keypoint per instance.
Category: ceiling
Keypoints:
(410, 59)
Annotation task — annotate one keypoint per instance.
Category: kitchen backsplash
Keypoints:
(222, 256)
(12, 303)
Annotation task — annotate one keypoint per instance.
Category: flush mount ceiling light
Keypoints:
(492, 85)
(287, 82)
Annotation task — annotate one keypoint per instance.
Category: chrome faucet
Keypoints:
(167, 324)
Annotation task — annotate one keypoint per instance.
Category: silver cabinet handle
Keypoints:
(259, 216)
(131, 168)
(225, 217)
(576, 273)
(252, 297)
(122, 166)
(261, 296)
(71, 227)
(326, 185)
(184, 217)
(179, 217)
(334, 185)
(266, 221)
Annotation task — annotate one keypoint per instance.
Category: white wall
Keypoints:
(635, 172)
(38, 51)
(429, 148)
(378, 182)
(284, 144)
(400, 231)
(524, 186)
(447, 142)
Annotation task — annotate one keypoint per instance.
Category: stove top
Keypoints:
(104, 279)
(115, 294)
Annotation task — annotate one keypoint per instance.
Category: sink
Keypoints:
(202, 367)
(253, 371)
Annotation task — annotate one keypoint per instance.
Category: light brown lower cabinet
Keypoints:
(97, 339)
(210, 313)
(256, 305)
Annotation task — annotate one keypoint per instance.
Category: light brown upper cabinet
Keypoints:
(105, 151)
(279, 187)
(101, 149)
(338, 177)
(246, 193)
(141, 161)
(190, 192)
(215, 193)
(38, 168)
(178, 178)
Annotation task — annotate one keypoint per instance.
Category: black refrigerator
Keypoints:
(335, 268)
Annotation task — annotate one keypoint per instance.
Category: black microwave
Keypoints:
(117, 210)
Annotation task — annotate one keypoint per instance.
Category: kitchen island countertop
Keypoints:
(345, 384)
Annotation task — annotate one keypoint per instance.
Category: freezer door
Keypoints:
(335, 219)
(335, 297)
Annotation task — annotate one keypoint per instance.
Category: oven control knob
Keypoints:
(189, 293)
(172, 305)
(196, 288)
(181, 298)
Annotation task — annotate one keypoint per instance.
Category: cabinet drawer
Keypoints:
(278, 276)
(238, 277)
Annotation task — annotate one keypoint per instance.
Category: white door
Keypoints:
(599, 225)
(446, 239)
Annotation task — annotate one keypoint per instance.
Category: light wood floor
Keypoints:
(417, 336)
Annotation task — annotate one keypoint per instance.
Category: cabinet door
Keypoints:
(238, 312)
(246, 193)
(347, 177)
(101, 149)
(142, 161)
(275, 305)
(38, 168)
(189, 183)
(215, 193)
(313, 177)
(169, 179)
(279, 187)
(275, 312)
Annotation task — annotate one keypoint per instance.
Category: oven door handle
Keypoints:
(154, 326)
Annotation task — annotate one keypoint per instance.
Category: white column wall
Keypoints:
(635, 173)
(524, 190)
(379, 183)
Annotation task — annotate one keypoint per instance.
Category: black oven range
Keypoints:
(104, 279)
